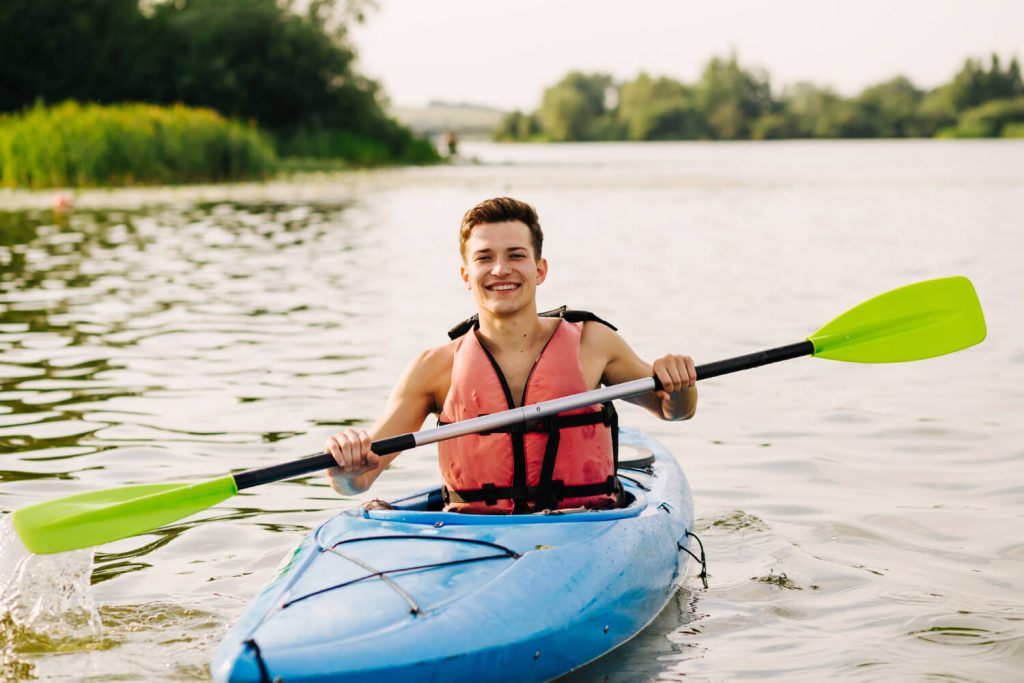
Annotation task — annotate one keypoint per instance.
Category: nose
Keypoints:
(501, 266)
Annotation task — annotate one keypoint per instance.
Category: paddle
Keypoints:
(911, 323)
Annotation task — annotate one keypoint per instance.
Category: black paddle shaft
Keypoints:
(753, 360)
(403, 442)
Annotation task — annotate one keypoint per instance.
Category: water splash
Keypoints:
(45, 600)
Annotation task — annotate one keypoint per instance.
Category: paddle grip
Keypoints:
(321, 461)
(753, 360)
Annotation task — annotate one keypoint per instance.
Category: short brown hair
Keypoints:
(500, 210)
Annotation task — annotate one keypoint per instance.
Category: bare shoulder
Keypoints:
(605, 355)
(598, 337)
(438, 358)
(600, 346)
(429, 374)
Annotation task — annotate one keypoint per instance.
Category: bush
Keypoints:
(73, 144)
(1013, 130)
(992, 116)
(397, 145)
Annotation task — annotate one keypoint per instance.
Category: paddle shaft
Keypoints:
(521, 415)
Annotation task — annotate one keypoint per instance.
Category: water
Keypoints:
(860, 521)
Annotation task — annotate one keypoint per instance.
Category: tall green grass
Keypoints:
(72, 144)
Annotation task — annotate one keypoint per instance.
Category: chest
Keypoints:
(517, 367)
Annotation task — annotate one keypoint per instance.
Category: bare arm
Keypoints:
(605, 350)
(412, 400)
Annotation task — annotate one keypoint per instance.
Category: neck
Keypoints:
(515, 329)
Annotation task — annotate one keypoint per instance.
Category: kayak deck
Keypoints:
(414, 593)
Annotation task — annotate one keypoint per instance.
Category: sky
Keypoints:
(503, 53)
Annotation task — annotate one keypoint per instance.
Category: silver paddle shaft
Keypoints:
(534, 411)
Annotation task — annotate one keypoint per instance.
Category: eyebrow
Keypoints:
(490, 250)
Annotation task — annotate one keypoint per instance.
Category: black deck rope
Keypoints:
(383, 574)
(635, 482)
(642, 469)
(264, 672)
(414, 609)
(702, 559)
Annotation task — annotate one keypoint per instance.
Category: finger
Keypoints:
(676, 374)
(344, 455)
(661, 372)
(691, 371)
(334, 448)
(365, 442)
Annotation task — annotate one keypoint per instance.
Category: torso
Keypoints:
(517, 363)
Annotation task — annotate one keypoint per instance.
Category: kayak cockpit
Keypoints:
(426, 507)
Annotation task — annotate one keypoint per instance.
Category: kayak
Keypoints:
(415, 594)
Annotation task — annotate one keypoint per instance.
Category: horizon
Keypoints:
(793, 40)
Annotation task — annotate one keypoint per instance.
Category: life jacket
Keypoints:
(567, 460)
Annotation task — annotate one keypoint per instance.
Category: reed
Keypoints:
(74, 144)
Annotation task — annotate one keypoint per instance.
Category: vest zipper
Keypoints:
(519, 480)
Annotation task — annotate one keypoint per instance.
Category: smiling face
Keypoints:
(501, 268)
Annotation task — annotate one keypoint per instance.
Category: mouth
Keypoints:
(503, 287)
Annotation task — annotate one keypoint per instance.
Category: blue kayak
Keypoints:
(415, 594)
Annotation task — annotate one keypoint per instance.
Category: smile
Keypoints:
(503, 287)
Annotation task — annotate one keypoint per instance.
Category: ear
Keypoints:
(542, 270)
(464, 274)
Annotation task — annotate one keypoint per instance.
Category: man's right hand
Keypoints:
(351, 451)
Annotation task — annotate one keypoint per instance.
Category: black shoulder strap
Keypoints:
(564, 312)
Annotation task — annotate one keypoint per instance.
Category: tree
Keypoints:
(88, 50)
(815, 112)
(974, 85)
(577, 107)
(889, 109)
(517, 126)
(658, 109)
(731, 98)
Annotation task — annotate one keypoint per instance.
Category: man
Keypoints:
(509, 356)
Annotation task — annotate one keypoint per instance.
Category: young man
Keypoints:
(512, 356)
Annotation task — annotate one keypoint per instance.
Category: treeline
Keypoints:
(287, 67)
(733, 102)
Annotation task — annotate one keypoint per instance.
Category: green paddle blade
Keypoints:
(89, 519)
(918, 321)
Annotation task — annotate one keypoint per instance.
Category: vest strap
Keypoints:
(564, 312)
(491, 494)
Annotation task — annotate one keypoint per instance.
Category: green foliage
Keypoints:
(991, 118)
(936, 111)
(517, 126)
(732, 98)
(734, 102)
(1013, 130)
(320, 143)
(286, 65)
(658, 109)
(576, 108)
(812, 112)
(889, 109)
(974, 85)
(72, 144)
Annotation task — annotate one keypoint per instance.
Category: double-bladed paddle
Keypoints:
(918, 321)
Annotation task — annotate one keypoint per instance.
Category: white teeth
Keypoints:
(503, 288)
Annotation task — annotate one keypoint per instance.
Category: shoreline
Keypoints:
(315, 186)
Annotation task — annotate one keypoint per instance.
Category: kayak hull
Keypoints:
(417, 595)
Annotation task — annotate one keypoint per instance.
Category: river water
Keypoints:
(861, 522)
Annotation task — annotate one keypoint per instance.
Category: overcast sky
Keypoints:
(503, 53)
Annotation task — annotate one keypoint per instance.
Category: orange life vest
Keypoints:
(565, 461)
